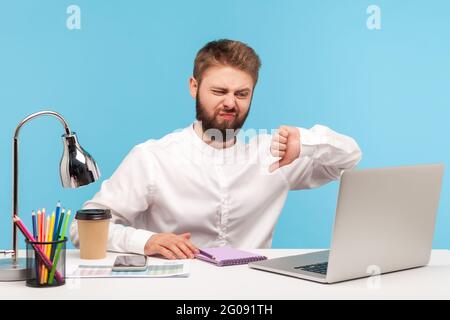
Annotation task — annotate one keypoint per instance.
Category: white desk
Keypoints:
(240, 282)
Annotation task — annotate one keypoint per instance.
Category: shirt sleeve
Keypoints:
(324, 155)
(128, 194)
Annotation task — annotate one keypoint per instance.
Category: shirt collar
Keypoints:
(209, 150)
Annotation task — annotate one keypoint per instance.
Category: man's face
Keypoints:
(223, 99)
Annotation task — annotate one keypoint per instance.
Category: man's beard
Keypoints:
(225, 130)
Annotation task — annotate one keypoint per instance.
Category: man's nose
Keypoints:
(230, 101)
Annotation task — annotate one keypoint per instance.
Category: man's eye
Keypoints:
(218, 92)
(242, 94)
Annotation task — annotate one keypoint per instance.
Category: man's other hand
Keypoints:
(286, 145)
(171, 246)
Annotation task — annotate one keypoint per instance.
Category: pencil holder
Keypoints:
(39, 274)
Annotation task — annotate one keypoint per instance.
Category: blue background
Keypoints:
(123, 79)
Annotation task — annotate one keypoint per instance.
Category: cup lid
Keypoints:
(93, 214)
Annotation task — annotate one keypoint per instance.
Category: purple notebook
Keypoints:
(227, 256)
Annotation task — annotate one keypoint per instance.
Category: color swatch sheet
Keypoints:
(154, 270)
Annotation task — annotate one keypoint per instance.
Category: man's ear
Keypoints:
(193, 87)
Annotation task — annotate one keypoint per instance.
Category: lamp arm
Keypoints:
(15, 170)
(42, 113)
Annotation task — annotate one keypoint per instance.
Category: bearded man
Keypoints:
(204, 186)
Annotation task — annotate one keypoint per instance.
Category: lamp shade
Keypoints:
(77, 167)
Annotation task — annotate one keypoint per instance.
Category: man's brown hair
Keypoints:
(229, 53)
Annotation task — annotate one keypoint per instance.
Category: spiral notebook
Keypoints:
(227, 256)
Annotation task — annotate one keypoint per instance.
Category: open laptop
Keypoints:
(384, 222)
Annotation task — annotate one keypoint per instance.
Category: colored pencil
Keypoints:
(60, 223)
(49, 239)
(41, 239)
(58, 250)
(56, 229)
(35, 233)
(50, 232)
(33, 220)
(39, 225)
(58, 212)
(44, 225)
(47, 227)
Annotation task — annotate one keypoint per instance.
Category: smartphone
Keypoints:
(130, 263)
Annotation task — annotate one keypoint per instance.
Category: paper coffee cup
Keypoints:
(93, 227)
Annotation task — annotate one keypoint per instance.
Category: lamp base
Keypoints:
(10, 271)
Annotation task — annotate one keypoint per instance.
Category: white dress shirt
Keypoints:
(221, 196)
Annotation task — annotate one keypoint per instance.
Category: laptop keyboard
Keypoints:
(316, 268)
